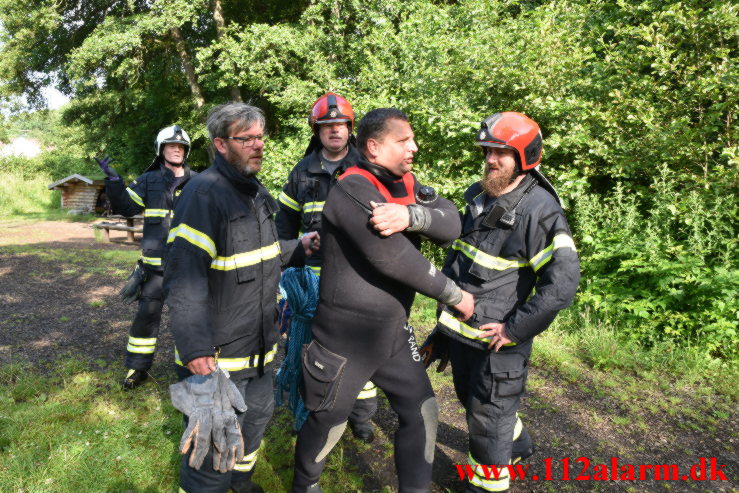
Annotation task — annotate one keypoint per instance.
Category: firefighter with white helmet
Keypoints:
(517, 258)
(151, 194)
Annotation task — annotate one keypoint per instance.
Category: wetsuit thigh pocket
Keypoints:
(322, 373)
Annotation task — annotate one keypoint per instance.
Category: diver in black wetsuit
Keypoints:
(372, 269)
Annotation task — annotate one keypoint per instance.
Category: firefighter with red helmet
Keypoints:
(517, 257)
(331, 151)
(151, 194)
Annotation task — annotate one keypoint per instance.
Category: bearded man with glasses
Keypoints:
(220, 279)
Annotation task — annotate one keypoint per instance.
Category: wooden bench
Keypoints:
(129, 227)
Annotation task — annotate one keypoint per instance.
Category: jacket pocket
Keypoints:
(242, 232)
(322, 373)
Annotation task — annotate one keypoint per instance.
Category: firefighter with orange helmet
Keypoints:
(517, 258)
(332, 149)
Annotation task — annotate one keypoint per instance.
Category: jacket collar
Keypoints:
(249, 185)
(315, 163)
(477, 198)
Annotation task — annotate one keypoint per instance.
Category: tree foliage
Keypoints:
(637, 101)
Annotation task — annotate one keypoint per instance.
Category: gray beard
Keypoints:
(494, 185)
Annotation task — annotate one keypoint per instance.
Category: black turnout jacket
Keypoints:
(517, 258)
(222, 270)
(304, 195)
(151, 193)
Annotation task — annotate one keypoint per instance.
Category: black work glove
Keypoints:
(109, 171)
(436, 346)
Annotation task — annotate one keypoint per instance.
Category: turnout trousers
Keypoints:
(333, 376)
(142, 337)
(490, 386)
(258, 393)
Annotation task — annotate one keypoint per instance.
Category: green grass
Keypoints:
(71, 428)
(82, 261)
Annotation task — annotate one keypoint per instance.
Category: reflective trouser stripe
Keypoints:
(481, 480)
(544, 256)
(315, 269)
(461, 328)
(142, 345)
(236, 364)
(368, 391)
(247, 463)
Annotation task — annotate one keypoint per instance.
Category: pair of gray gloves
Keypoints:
(209, 402)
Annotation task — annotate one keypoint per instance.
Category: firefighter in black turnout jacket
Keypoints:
(331, 151)
(220, 278)
(371, 271)
(518, 259)
(153, 193)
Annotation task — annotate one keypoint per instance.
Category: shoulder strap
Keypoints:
(408, 182)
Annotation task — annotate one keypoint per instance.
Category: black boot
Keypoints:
(134, 378)
(363, 431)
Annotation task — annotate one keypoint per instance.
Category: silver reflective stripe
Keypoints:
(135, 197)
(492, 484)
(368, 391)
(157, 261)
(313, 206)
(289, 201)
(141, 345)
(247, 463)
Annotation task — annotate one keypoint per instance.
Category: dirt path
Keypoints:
(49, 308)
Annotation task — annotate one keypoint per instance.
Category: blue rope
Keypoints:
(300, 287)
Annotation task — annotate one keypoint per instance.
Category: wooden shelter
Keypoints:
(81, 194)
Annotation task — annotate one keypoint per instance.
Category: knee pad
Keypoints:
(430, 415)
(332, 438)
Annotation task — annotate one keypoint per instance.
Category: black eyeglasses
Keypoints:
(247, 141)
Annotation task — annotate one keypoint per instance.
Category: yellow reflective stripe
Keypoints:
(313, 206)
(151, 260)
(247, 463)
(236, 364)
(141, 345)
(463, 329)
(197, 238)
(492, 484)
(486, 260)
(544, 256)
(182, 490)
(142, 341)
(157, 212)
(316, 269)
(134, 196)
(247, 258)
(289, 201)
(368, 391)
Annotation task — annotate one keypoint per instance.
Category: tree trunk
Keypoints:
(192, 79)
(220, 32)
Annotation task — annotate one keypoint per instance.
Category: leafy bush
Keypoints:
(663, 267)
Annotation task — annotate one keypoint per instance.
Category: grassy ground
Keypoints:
(66, 426)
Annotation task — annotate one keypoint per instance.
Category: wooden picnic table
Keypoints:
(130, 227)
